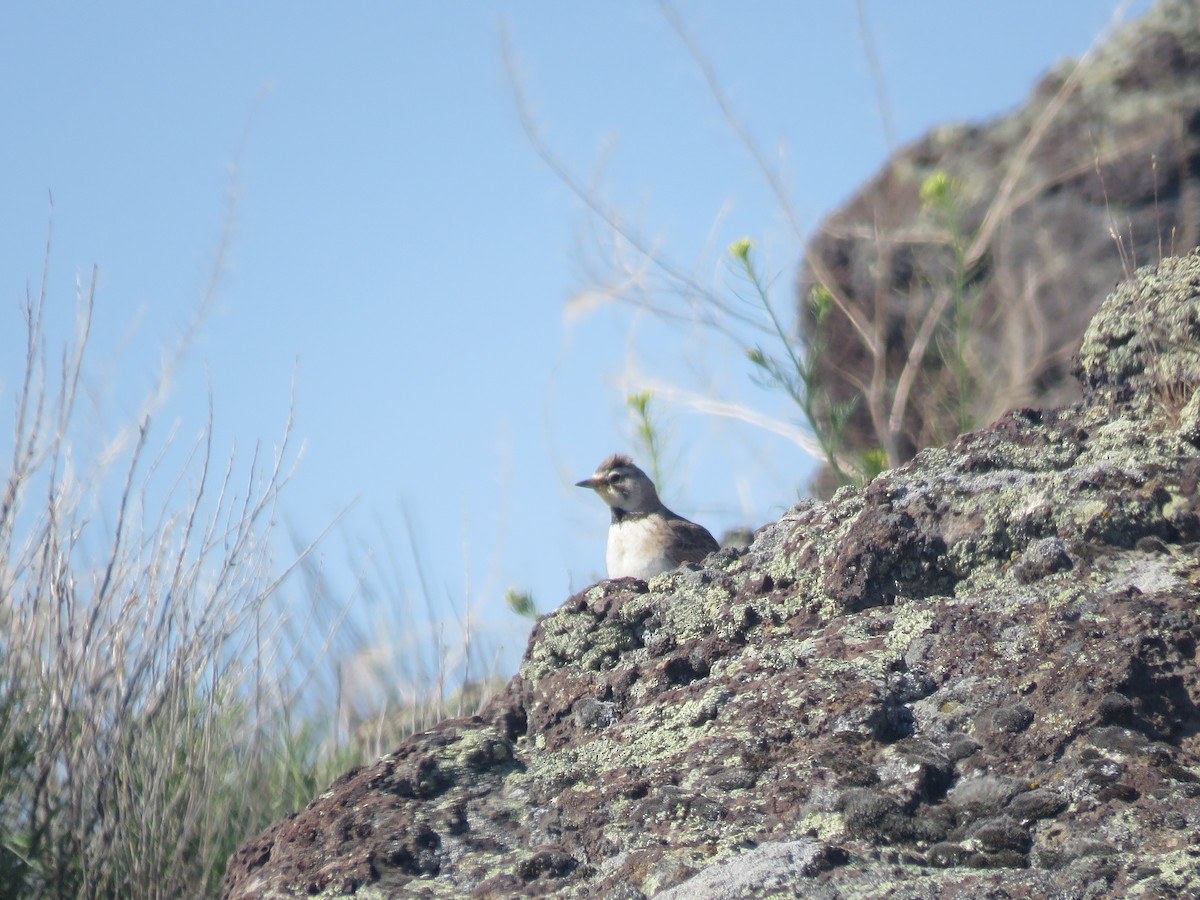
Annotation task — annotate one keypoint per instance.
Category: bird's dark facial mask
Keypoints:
(618, 483)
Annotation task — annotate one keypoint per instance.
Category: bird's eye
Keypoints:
(614, 477)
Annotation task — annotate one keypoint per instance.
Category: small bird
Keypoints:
(645, 538)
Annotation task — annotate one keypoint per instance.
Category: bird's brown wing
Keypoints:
(690, 542)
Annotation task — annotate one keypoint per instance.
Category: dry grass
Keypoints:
(137, 644)
(168, 686)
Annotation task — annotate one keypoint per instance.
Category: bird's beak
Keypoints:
(587, 483)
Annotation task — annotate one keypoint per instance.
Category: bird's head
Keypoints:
(622, 485)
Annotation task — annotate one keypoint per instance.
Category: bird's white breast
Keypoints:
(636, 549)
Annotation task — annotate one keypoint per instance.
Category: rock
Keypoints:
(1012, 718)
(1116, 709)
(1000, 833)
(983, 796)
(871, 680)
(867, 812)
(945, 855)
(1110, 149)
(1042, 558)
(768, 867)
(1036, 804)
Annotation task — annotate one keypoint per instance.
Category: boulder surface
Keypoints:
(1048, 206)
(975, 676)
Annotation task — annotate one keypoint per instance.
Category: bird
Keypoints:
(645, 538)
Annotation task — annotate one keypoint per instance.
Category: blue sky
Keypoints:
(401, 254)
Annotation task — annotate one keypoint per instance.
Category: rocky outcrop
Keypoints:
(977, 675)
(1046, 208)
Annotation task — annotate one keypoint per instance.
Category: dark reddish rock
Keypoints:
(870, 700)
(1110, 149)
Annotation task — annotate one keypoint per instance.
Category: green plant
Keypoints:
(521, 602)
(941, 198)
(648, 431)
(795, 372)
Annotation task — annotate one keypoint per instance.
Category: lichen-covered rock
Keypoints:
(976, 675)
